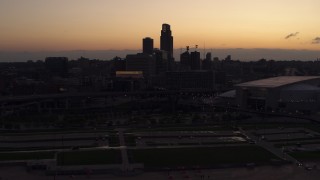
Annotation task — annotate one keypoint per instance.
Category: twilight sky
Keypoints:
(63, 25)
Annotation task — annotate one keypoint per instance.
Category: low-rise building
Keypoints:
(194, 80)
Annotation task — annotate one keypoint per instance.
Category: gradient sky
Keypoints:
(49, 25)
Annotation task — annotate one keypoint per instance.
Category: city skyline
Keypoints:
(46, 26)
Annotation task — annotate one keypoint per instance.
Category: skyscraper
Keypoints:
(166, 40)
(147, 45)
(185, 60)
(207, 63)
(195, 62)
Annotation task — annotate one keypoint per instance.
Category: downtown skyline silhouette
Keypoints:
(60, 27)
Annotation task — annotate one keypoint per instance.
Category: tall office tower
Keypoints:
(147, 45)
(166, 40)
(208, 56)
(195, 62)
(185, 60)
(207, 63)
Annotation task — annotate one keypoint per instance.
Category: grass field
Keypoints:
(130, 140)
(89, 157)
(294, 143)
(315, 155)
(187, 128)
(113, 140)
(26, 156)
(174, 157)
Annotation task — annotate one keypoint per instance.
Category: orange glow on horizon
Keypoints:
(122, 24)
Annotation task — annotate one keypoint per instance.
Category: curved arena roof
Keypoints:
(277, 81)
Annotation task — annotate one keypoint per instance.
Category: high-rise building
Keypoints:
(195, 62)
(208, 56)
(207, 63)
(147, 45)
(185, 60)
(166, 40)
(161, 58)
(228, 58)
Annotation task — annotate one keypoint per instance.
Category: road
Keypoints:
(288, 172)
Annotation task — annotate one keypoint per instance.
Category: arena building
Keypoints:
(280, 94)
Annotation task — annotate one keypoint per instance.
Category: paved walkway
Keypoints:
(124, 153)
(269, 146)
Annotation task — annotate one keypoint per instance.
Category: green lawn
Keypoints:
(188, 128)
(130, 140)
(314, 127)
(295, 143)
(315, 155)
(173, 157)
(77, 157)
(295, 139)
(26, 156)
(55, 132)
(113, 140)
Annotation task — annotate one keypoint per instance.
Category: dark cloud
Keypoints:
(291, 35)
(316, 40)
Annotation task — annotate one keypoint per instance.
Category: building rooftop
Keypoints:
(228, 94)
(129, 74)
(277, 81)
